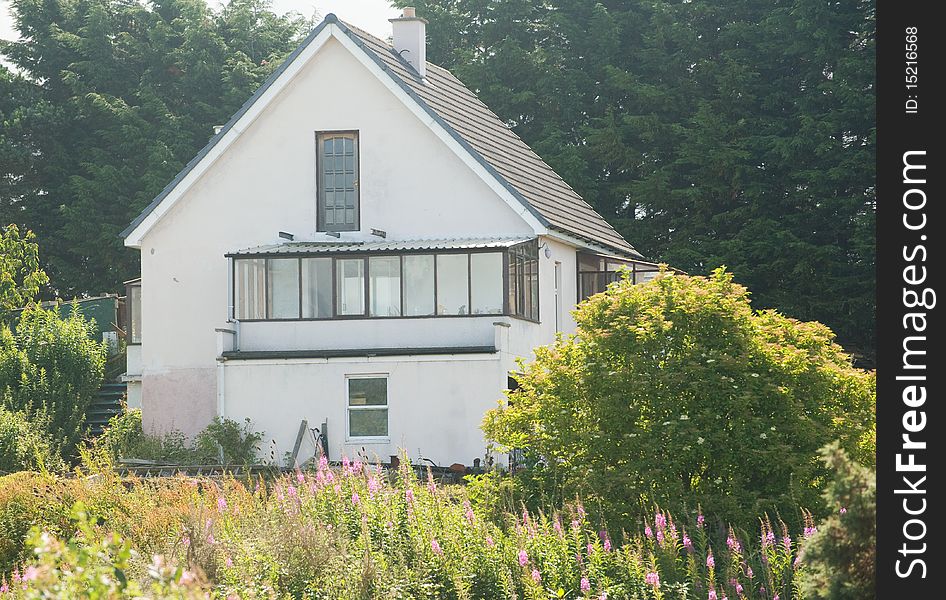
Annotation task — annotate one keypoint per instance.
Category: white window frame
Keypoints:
(348, 408)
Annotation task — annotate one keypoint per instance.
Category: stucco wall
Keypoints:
(411, 187)
(435, 403)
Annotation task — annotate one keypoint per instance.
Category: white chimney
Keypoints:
(410, 39)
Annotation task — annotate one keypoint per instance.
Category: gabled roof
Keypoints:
(478, 130)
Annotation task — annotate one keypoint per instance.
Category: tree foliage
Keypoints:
(840, 558)
(50, 370)
(677, 393)
(108, 101)
(20, 274)
(709, 132)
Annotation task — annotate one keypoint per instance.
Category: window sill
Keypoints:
(368, 440)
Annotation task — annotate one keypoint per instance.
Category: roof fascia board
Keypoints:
(231, 132)
(585, 244)
(470, 157)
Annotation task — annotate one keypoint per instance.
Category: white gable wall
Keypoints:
(412, 186)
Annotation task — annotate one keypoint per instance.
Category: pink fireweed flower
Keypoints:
(775, 597)
(330, 476)
(356, 467)
(797, 562)
(4, 586)
(739, 588)
(523, 558)
(660, 520)
(575, 524)
(291, 491)
(585, 585)
(687, 543)
(186, 541)
(354, 498)
(300, 477)
(767, 539)
(557, 526)
(787, 543)
(710, 561)
(591, 548)
(469, 515)
(660, 537)
(221, 504)
(581, 511)
(648, 532)
(536, 576)
(210, 539)
(323, 462)
(700, 519)
(810, 531)
(653, 579)
(436, 547)
(345, 462)
(607, 544)
(843, 510)
(29, 573)
(712, 595)
(409, 495)
(749, 572)
(431, 484)
(337, 488)
(229, 562)
(489, 541)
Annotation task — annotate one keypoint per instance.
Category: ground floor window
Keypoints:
(367, 406)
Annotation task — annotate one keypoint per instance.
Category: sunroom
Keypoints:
(320, 281)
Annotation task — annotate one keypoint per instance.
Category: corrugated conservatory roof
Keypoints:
(380, 246)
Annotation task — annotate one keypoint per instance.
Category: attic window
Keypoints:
(337, 164)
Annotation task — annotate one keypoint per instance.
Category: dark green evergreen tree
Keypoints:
(709, 132)
(110, 99)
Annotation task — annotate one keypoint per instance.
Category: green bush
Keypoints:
(24, 446)
(840, 557)
(50, 370)
(224, 438)
(677, 393)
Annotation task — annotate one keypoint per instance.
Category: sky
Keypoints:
(370, 15)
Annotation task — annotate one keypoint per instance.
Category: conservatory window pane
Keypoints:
(486, 274)
(282, 293)
(251, 300)
(453, 295)
(384, 286)
(351, 286)
(419, 285)
(316, 288)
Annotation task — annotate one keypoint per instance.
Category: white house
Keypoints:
(364, 244)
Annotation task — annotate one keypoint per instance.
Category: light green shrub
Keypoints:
(677, 393)
(50, 370)
(24, 445)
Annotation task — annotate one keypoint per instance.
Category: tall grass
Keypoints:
(359, 532)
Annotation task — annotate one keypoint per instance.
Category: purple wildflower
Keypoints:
(607, 544)
(712, 595)
(221, 504)
(523, 558)
(354, 498)
(687, 543)
(436, 547)
(797, 562)
(557, 526)
(229, 562)
(29, 573)
(843, 510)
(585, 585)
(787, 543)
(749, 572)
(739, 588)
(536, 576)
(660, 537)
(660, 520)
(700, 519)
(409, 495)
(489, 541)
(653, 579)
(648, 532)
(575, 524)
(710, 561)
(373, 486)
(300, 478)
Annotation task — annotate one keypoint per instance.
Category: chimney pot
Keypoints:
(410, 39)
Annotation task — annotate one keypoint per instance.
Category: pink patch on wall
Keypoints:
(181, 399)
